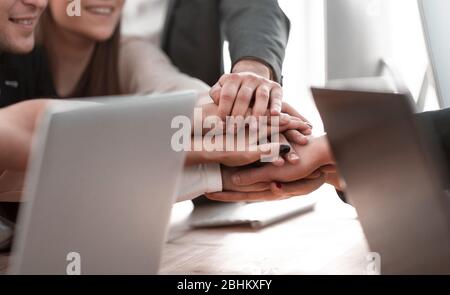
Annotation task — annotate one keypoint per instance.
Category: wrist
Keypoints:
(194, 158)
(253, 66)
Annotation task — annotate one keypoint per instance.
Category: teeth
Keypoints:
(27, 22)
(101, 10)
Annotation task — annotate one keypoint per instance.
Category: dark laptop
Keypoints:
(391, 166)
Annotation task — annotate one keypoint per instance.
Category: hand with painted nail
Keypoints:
(312, 157)
(275, 192)
(229, 186)
(291, 130)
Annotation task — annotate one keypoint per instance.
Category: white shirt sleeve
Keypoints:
(198, 180)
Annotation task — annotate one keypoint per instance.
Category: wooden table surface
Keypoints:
(328, 240)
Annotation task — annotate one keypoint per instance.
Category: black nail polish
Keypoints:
(284, 149)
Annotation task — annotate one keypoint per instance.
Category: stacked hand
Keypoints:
(305, 168)
(316, 167)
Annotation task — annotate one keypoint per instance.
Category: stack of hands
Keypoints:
(302, 164)
(306, 162)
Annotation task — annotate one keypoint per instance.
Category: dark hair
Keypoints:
(101, 76)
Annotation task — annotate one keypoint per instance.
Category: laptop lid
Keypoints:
(100, 187)
(435, 25)
(392, 178)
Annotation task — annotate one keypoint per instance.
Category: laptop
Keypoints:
(100, 187)
(435, 25)
(254, 215)
(391, 166)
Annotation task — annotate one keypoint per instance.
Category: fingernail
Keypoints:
(294, 157)
(284, 149)
(236, 179)
(309, 124)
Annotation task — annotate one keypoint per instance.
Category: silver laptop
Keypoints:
(100, 187)
(391, 166)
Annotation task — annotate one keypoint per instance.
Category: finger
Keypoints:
(329, 169)
(243, 99)
(228, 96)
(284, 119)
(335, 180)
(261, 152)
(215, 93)
(253, 176)
(292, 124)
(288, 109)
(262, 99)
(291, 156)
(296, 123)
(243, 197)
(297, 188)
(316, 174)
(295, 136)
(278, 162)
(258, 187)
(276, 97)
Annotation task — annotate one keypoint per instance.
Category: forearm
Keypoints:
(256, 29)
(254, 66)
(13, 148)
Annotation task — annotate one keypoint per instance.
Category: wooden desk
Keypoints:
(327, 241)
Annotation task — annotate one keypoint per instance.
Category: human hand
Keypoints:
(276, 192)
(250, 79)
(290, 129)
(17, 126)
(229, 186)
(218, 151)
(312, 157)
(333, 177)
(235, 93)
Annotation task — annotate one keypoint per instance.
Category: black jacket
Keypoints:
(196, 29)
(24, 77)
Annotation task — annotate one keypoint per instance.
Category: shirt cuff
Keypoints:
(198, 180)
(213, 178)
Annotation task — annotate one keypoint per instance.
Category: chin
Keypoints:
(22, 47)
(102, 36)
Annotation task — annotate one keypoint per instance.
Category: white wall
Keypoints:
(305, 59)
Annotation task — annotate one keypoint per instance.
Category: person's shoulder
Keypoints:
(135, 43)
(138, 52)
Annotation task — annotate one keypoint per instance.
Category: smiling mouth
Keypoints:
(100, 10)
(23, 21)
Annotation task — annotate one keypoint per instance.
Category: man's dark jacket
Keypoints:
(196, 29)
